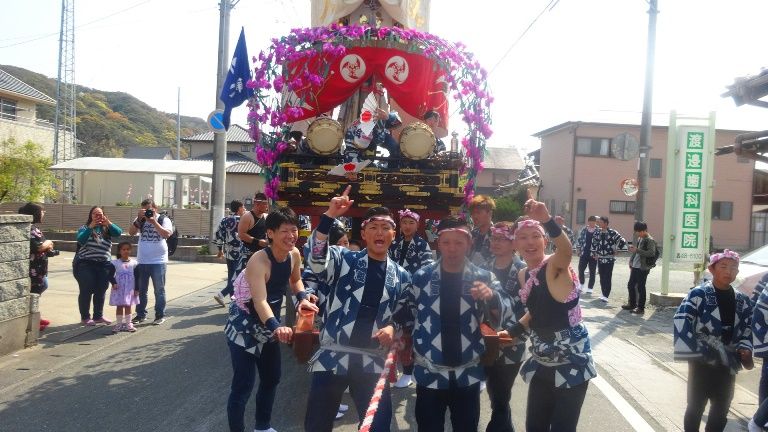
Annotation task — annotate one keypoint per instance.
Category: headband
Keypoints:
(409, 213)
(530, 223)
(379, 218)
(504, 231)
(457, 229)
(726, 254)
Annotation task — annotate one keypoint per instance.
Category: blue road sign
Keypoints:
(216, 121)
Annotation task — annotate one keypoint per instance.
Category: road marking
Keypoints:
(630, 414)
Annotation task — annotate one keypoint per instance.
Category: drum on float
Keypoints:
(324, 136)
(417, 141)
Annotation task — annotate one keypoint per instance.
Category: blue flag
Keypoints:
(234, 92)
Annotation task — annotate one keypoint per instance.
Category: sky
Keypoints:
(580, 60)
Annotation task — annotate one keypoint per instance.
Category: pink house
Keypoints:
(580, 177)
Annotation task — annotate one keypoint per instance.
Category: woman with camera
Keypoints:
(39, 251)
(92, 264)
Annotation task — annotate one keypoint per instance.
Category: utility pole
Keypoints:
(217, 197)
(178, 123)
(645, 126)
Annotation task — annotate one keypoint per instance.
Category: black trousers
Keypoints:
(93, 280)
(636, 287)
(606, 273)
(553, 408)
(499, 381)
(585, 261)
(708, 383)
(464, 403)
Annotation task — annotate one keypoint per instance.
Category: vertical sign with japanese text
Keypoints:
(692, 194)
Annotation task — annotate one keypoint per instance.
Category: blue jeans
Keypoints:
(93, 280)
(157, 273)
(325, 395)
(244, 365)
(230, 288)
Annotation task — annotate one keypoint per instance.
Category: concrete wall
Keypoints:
(597, 180)
(19, 314)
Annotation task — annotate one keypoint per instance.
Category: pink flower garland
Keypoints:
(465, 77)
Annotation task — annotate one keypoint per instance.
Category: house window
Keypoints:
(722, 210)
(593, 146)
(622, 207)
(169, 193)
(655, 168)
(7, 109)
(500, 178)
(581, 211)
(246, 148)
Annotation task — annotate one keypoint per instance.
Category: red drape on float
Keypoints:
(415, 81)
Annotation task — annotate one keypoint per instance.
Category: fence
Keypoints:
(70, 217)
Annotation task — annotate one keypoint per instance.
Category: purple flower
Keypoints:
(278, 83)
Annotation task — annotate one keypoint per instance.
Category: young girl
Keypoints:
(412, 252)
(712, 332)
(124, 292)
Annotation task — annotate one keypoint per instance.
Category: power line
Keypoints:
(47, 35)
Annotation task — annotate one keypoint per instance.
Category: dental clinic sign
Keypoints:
(692, 194)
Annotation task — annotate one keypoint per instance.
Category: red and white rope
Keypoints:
(389, 370)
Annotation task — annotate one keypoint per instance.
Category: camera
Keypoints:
(149, 212)
(52, 253)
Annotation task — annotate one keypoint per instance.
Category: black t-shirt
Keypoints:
(726, 302)
(450, 313)
(362, 332)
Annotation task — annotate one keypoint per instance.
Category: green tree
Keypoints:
(24, 173)
(508, 208)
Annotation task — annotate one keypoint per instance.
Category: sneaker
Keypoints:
(404, 381)
(88, 322)
(44, 322)
(43, 326)
(129, 328)
(102, 320)
(158, 321)
(264, 430)
(219, 299)
(753, 427)
(627, 307)
(588, 291)
(118, 328)
(638, 311)
(603, 299)
(339, 415)
(482, 385)
(343, 408)
(138, 319)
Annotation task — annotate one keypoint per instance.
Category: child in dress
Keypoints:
(124, 293)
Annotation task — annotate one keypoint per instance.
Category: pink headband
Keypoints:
(504, 231)
(460, 230)
(409, 213)
(530, 223)
(729, 254)
(378, 219)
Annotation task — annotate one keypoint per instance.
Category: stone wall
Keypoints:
(19, 311)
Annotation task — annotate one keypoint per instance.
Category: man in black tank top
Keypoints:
(252, 230)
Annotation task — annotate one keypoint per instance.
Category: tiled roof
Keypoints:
(138, 152)
(11, 84)
(503, 158)
(237, 163)
(236, 133)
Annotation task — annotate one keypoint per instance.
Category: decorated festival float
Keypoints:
(363, 97)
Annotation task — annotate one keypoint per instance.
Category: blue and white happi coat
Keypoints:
(342, 275)
(422, 301)
(698, 329)
(605, 243)
(417, 255)
(569, 353)
(760, 322)
(514, 353)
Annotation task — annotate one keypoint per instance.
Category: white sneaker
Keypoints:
(404, 381)
(753, 427)
(587, 291)
(339, 415)
(482, 385)
(343, 408)
(264, 430)
(219, 299)
(604, 299)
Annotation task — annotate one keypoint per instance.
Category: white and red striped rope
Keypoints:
(389, 369)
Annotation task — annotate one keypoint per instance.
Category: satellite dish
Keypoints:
(625, 147)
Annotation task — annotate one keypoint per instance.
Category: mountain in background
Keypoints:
(110, 122)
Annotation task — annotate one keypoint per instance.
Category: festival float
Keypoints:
(344, 102)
